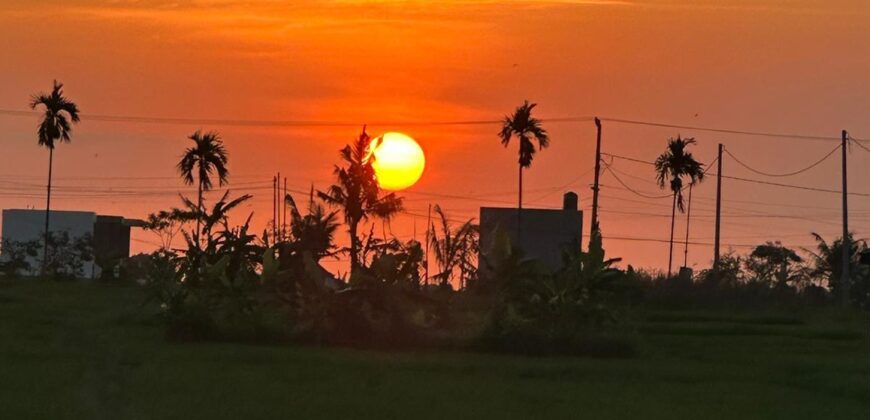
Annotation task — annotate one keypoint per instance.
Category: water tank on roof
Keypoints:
(569, 201)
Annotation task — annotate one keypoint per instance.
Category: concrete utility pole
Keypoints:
(718, 215)
(274, 207)
(688, 223)
(594, 220)
(847, 246)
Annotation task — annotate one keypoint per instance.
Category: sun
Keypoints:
(399, 161)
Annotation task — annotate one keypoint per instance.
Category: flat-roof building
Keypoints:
(544, 234)
(109, 235)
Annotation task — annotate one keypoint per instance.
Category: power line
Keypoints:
(787, 174)
(632, 190)
(723, 130)
(281, 123)
(756, 181)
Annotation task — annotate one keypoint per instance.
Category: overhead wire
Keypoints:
(786, 174)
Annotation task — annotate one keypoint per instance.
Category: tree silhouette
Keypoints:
(827, 263)
(54, 126)
(206, 156)
(312, 232)
(357, 192)
(774, 264)
(674, 164)
(525, 128)
(454, 248)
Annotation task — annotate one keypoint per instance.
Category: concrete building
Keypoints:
(545, 233)
(110, 235)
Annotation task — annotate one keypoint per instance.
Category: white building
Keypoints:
(110, 235)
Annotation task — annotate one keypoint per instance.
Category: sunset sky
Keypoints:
(774, 66)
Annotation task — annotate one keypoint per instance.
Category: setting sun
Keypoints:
(399, 161)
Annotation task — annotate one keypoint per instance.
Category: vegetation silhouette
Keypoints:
(208, 155)
(526, 128)
(775, 264)
(827, 264)
(358, 194)
(313, 232)
(674, 164)
(455, 249)
(54, 126)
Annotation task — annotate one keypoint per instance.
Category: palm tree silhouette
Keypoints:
(357, 192)
(55, 125)
(206, 156)
(454, 248)
(672, 166)
(525, 128)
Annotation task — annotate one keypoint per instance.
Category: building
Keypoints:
(109, 235)
(544, 233)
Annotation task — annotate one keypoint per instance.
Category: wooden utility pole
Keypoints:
(594, 220)
(847, 246)
(718, 215)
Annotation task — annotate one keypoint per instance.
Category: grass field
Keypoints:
(88, 351)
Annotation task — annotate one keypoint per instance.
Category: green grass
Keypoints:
(88, 351)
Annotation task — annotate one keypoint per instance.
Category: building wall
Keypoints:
(26, 225)
(111, 238)
(545, 233)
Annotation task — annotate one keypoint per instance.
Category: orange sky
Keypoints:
(785, 66)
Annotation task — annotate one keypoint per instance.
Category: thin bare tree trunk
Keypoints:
(47, 212)
(673, 219)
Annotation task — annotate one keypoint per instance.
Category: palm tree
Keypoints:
(357, 192)
(525, 128)
(827, 263)
(454, 248)
(206, 156)
(313, 232)
(55, 125)
(674, 164)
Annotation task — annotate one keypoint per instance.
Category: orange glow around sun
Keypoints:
(399, 161)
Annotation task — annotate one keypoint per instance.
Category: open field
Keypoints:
(89, 351)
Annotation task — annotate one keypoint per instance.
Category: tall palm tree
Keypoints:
(208, 155)
(525, 128)
(55, 126)
(357, 192)
(674, 164)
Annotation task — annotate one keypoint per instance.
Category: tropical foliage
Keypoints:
(205, 158)
(56, 125)
(672, 166)
(528, 130)
(455, 250)
(358, 194)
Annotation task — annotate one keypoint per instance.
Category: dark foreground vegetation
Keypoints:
(74, 350)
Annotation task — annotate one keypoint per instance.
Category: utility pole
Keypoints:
(688, 221)
(428, 233)
(284, 207)
(274, 207)
(718, 215)
(847, 246)
(595, 187)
